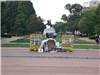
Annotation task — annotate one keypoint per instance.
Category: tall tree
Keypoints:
(64, 17)
(24, 11)
(90, 21)
(97, 20)
(35, 24)
(19, 17)
(60, 27)
(74, 17)
(8, 13)
(74, 9)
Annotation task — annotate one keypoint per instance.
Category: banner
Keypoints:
(67, 42)
(35, 41)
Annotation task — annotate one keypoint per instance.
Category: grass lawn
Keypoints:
(24, 40)
(75, 46)
(87, 46)
(16, 45)
(78, 44)
(82, 42)
(58, 38)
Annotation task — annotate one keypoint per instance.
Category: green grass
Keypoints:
(58, 38)
(16, 45)
(87, 46)
(24, 40)
(82, 42)
(78, 44)
(75, 46)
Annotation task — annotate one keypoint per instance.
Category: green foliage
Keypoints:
(8, 13)
(74, 17)
(73, 23)
(24, 10)
(35, 24)
(68, 7)
(69, 48)
(19, 18)
(74, 8)
(60, 27)
(64, 17)
(97, 20)
(90, 21)
(86, 24)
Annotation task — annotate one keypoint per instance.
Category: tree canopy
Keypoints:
(19, 17)
(90, 21)
(87, 21)
(97, 20)
(74, 16)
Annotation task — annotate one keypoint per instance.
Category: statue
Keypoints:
(49, 31)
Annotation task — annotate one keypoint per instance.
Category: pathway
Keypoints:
(7, 40)
(20, 61)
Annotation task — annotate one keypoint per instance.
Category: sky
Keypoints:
(53, 9)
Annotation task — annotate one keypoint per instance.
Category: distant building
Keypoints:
(92, 3)
(86, 4)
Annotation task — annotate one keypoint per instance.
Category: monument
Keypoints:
(49, 43)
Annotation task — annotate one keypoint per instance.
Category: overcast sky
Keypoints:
(53, 9)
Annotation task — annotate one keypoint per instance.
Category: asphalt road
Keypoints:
(8, 40)
(20, 61)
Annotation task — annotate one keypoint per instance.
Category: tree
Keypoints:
(74, 17)
(3, 25)
(19, 17)
(8, 13)
(64, 17)
(68, 7)
(74, 9)
(87, 22)
(24, 11)
(60, 27)
(35, 24)
(97, 20)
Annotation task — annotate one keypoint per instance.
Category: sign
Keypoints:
(35, 41)
(67, 41)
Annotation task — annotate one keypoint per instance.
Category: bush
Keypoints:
(68, 48)
(34, 48)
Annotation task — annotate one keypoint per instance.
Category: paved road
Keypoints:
(87, 39)
(8, 40)
(20, 61)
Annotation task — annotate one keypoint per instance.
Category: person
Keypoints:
(97, 39)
